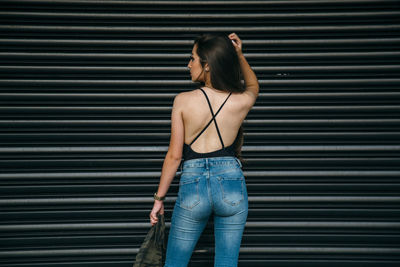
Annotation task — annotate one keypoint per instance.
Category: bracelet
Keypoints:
(157, 197)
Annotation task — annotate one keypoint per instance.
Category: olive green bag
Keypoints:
(152, 251)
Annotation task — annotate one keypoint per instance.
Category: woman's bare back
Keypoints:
(197, 113)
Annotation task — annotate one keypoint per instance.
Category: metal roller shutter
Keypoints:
(85, 101)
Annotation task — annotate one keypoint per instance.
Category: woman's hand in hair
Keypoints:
(237, 43)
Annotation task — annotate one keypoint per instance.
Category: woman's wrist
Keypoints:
(158, 198)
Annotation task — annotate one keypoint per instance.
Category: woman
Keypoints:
(212, 180)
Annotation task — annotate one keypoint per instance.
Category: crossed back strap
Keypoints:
(213, 118)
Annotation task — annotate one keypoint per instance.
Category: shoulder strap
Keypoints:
(213, 118)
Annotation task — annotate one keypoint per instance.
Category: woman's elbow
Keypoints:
(174, 156)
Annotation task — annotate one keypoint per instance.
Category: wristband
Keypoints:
(157, 197)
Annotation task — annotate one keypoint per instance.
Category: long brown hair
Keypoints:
(217, 50)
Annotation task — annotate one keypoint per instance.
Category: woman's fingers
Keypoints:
(157, 209)
(235, 40)
(233, 35)
(153, 218)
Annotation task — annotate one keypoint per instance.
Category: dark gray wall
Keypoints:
(85, 101)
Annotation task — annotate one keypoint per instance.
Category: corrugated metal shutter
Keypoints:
(86, 94)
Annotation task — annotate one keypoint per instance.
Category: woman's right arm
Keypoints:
(249, 76)
(250, 79)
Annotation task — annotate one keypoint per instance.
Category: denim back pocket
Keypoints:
(189, 191)
(232, 187)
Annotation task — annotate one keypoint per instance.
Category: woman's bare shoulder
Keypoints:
(186, 95)
(183, 99)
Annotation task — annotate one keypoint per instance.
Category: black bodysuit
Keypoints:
(188, 152)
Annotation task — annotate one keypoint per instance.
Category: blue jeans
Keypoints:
(208, 185)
